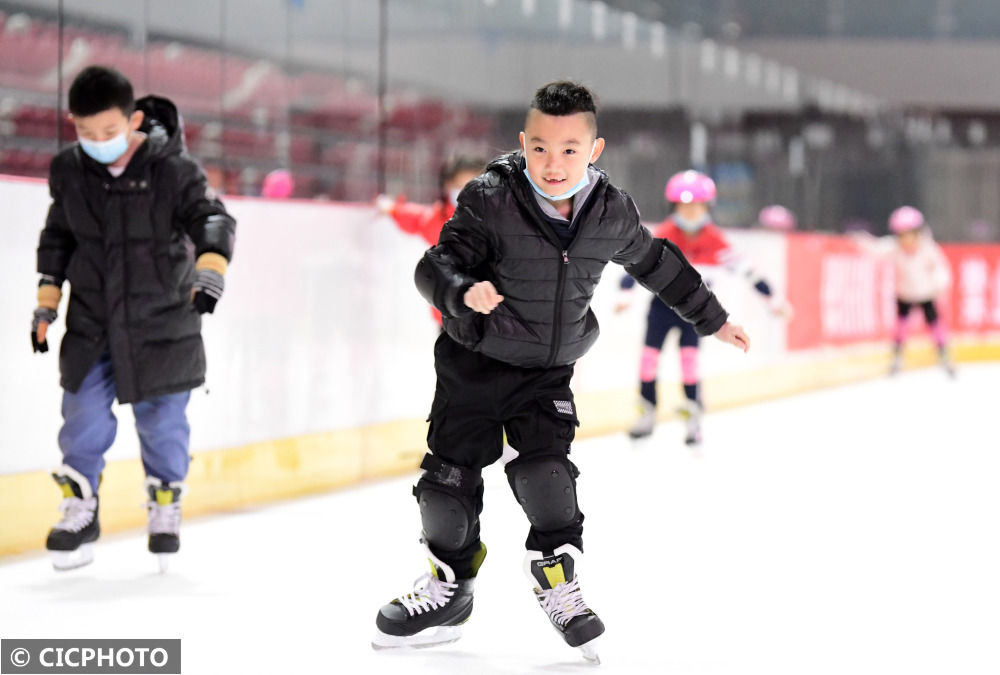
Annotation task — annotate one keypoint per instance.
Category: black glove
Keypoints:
(208, 287)
(46, 315)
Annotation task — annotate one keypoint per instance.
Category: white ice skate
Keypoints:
(643, 426)
(691, 413)
(897, 364)
(163, 512)
(947, 363)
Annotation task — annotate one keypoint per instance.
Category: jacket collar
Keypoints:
(510, 168)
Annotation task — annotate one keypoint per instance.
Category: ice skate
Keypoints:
(70, 541)
(164, 519)
(643, 426)
(558, 591)
(897, 363)
(431, 614)
(947, 363)
(691, 413)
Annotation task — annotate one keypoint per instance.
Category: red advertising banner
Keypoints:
(975, 291)
(842, 295)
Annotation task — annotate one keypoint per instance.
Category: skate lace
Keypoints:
(563, 602)
(77, 513)
(164, 519)
(428, 593)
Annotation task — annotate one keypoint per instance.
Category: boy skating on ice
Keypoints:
(144, 244)
(513, 275)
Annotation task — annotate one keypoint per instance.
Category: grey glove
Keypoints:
(208, 287)
(42, 315)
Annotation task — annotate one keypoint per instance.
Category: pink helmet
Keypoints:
(687, 187)
(777, 217)
(904, 219)
(278, 184)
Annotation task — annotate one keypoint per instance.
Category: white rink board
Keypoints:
(320, 328)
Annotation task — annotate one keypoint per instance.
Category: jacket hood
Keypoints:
(162, 124)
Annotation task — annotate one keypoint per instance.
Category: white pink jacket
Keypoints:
(920, 276)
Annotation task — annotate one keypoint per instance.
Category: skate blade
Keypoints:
(429, 637)
(589, 652)
(163, 559)
(70, 560)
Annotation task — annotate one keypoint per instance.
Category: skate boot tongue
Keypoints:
(164, 495)
(440, 570)
(551, 570)
(72, 483)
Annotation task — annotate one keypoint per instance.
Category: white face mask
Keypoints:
(584, 182)
(453, 196)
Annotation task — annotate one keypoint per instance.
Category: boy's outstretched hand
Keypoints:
(734, 335)
(483, 297)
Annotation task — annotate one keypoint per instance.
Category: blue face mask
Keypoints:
(690, 226)
(584, 182)
(566, 195)
(106, 152)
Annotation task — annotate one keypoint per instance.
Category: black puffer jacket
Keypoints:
(498, 234)
(127, 246)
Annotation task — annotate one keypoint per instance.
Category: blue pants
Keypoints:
(89, 428)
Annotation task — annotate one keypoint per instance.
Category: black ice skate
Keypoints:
(70, 541)
(431, 614)
(164, 519)
(558, 590)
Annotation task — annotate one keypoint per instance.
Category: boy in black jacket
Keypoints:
(144, 243)
(513, 275)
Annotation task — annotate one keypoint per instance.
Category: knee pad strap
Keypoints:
(450, 498)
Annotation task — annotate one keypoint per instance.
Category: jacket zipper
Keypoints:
(557, 318)
(561, 282)
(125, 310)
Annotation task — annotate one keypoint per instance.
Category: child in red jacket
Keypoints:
(425, 220)
(690, 227)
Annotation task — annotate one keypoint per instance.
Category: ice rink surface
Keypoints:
(848, 531)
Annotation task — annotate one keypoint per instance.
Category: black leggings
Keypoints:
(930, 311)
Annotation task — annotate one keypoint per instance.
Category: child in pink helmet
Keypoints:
(922, 275)
(278, 184)
(776, 217)
(690, 227)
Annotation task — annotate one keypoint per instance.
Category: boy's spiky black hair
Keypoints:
(565, 98)
(100, 88)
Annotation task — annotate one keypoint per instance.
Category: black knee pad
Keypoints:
(445, 519)
(450, 498)
(546, 489)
